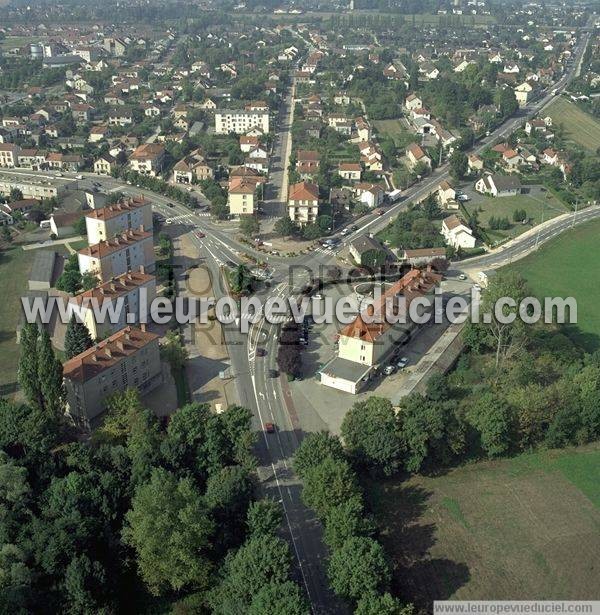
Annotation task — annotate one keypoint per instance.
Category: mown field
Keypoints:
(568, 267)
(539, 207)
(580, 127)
(521, 528)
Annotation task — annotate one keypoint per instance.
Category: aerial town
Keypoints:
(421, 164)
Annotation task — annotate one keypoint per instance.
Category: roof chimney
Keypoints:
(142, 269)
(108, 351)
(143, 327)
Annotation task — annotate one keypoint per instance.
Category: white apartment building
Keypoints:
(134, 290)
(112, 258)
(112, 220)
(240, 121)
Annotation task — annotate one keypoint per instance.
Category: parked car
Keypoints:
(389, 370)
(462, 276)
(402, 363)
(463, 197)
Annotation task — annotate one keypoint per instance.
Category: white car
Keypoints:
(389, 370)
(463, 197)
(79, 176)
(462, 276)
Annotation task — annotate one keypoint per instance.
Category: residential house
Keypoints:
(105, 164)
(456, 233)
(303, 202)
(423, 256)
(307, 163)
(148, 159)
(350, 171)
(416, 155)
(372, 195)
(9, 153)
(446, 194)
(192, 168)
(367, 251)
(243, 195)
(498, 185)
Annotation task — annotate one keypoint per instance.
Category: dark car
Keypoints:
(170, 205)
(273, 373)
(261, 352)
(269, 428)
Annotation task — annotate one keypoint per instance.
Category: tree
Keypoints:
(28, 366)
(358, 567)
(174, 351)
(249, 225)
(289, 359)
(241, 279)
(370, 432)
(314, 449)
(311, 231)
(259, 562)
(328, 484)
(80, 226)
(346, 520)
(284, 227)
(50, 376)
(373, 603)
(77, 338)
(279, 599)
(264, 517)
(459, 164)
(493, 419)
(15, 195)
(507, 337)
(170, 529)
(6, 235)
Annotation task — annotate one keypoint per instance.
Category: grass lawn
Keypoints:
(580, 127)
(562, 268)
(394, 129)
(522, 528)
(15, 264)
(502, 207)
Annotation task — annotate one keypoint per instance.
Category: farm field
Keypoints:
(15, 264)
(521, 528)
(561, 269)
(539, 205)
(580, 127)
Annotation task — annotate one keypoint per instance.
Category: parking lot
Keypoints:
(323, 407)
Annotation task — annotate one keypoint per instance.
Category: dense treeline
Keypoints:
(359, 571)
(140, 515)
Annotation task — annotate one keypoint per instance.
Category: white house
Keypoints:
(456, 233)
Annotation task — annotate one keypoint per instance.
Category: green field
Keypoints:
(537, 206)
(394, 129)
(568, 267)
(15, 264)
(521, 528)
(580, 127)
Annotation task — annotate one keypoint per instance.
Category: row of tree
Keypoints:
(359, 570)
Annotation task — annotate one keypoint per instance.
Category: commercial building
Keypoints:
(240, 121)
(128, 359)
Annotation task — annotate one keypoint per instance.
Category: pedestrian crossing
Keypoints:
(328, 251)
(275, 320)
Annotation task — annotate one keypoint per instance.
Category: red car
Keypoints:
(200, 235)
(380, 212)
(269, 428)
